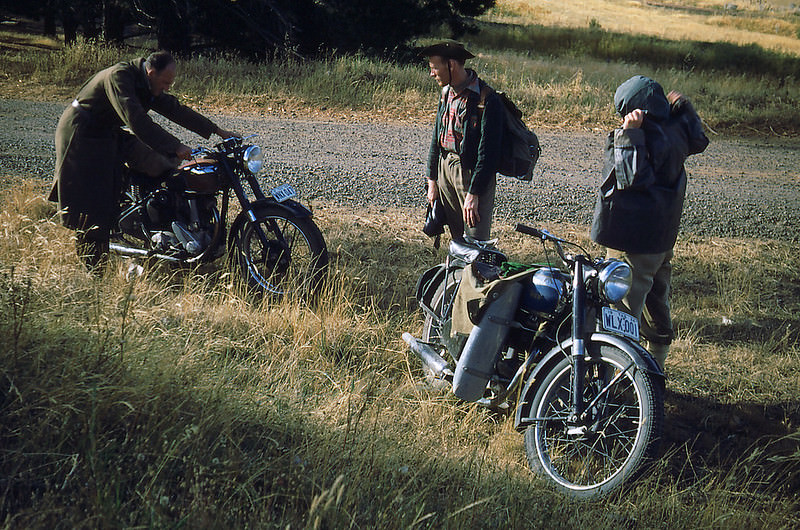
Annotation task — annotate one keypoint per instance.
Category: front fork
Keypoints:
(578, 343)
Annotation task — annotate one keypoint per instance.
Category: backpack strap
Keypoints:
(485, 91)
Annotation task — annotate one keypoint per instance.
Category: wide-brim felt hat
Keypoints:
(447, 49)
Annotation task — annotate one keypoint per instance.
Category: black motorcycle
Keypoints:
(545, 340)
(272, 243)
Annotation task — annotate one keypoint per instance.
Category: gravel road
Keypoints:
(737, 188)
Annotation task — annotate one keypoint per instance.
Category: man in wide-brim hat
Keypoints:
(466, 142)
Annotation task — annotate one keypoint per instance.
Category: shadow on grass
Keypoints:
(88, 440)
(741, 443)
(745, 331)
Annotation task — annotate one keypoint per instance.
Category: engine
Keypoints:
(180, 215)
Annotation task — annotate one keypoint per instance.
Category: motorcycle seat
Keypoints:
(469, 253)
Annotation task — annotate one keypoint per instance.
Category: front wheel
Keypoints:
(280, 254)
(593, 456)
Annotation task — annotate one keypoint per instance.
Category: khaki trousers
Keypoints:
(453, 184)
(648, 299)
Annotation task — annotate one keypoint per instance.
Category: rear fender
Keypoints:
(634, 350)
(428, 283)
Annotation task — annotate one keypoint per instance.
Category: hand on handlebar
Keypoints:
(222, 133)
(184, 152)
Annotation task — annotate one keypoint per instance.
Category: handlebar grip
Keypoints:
(528, 230)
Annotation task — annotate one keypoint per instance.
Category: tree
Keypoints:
(115, 15)
(382, 27)
(258, 28)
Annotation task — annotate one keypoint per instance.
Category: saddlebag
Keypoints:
(476, 363)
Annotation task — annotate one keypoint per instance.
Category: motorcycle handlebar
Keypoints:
(233, 142)
(530, 231)
(544, 235)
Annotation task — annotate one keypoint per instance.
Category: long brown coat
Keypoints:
(91, 144)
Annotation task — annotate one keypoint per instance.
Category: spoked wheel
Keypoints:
(442, 305)
(593, 456)
(280, 254)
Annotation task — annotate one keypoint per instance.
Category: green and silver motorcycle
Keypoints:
(542, 341)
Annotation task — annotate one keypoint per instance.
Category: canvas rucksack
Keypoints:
(520, 145)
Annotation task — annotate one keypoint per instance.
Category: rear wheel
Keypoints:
(595, 455)
(436, 327)
(280, 254)
(442, 305)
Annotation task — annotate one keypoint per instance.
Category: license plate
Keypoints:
(620, 322)
(283, 192)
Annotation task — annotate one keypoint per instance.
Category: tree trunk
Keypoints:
(70, 25)
(172, 26)
(50, 18)
(113, 22)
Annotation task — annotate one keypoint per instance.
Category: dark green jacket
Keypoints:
(480, 148)
(640, 202)
(89, 140)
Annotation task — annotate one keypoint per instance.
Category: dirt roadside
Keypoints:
(737, 188)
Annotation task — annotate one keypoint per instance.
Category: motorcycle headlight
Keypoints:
(254, 159)
(614, 280)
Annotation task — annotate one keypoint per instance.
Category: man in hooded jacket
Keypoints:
(639, 206)
(91, 144)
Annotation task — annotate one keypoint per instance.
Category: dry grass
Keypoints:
(168, 399)
(773, 28)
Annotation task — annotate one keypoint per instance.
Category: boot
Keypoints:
(659, 353)
(92, 249)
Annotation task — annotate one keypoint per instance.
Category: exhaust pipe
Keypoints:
(432, 360)
(139, 253)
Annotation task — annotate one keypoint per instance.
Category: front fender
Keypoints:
(261, 209)
(634, 350)
(291, 207)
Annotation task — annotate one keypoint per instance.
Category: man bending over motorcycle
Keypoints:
(91, 145)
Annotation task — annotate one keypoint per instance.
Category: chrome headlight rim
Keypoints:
(614, 280)
(253, 158)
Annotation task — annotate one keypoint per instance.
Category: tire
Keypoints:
(290, 259)
(621, 433)
(432, 325)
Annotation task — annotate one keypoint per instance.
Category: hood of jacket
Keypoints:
(640, 92)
